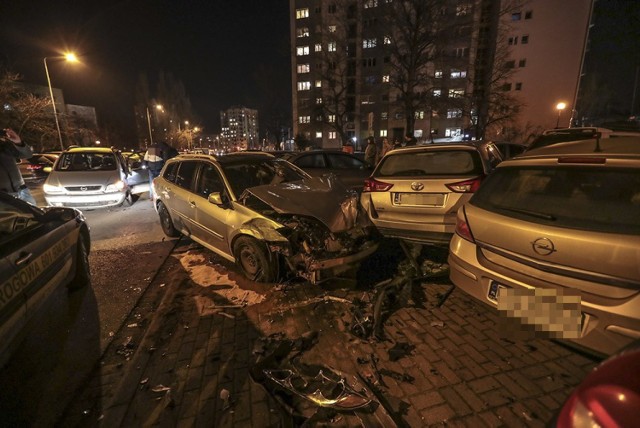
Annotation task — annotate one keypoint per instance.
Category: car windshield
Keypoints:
(432, 163)
(246, 174)
(595, 199)
(86, 161)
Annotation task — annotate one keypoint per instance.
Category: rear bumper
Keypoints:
(605, 329)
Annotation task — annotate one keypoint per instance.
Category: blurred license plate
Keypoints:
(494, 291)
(432, 199)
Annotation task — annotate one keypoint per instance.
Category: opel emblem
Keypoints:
(543, 246)
(83, 188)
(417, 186)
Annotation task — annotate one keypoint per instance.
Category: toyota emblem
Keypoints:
(543, 246)
(417, 186)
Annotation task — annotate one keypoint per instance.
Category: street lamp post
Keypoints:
(71, 58)
(158, 107)
(560, 106)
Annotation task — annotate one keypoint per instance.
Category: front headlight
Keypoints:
(118, 186)
(48, 188)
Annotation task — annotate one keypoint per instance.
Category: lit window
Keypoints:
(302, 13)
(458, 74)
(332, 28)
(438, 74)
(304, 119)
(454, 113)
(318, 47)
(318, 134)
(331, 118)
(302, 50)
(331, 46)
(387, 40)
(419, 114)
(385, 78)
(437, 92)
(302, 32)
(319, 100)
(303, 68)
(383, 132)
(318, 83)
(369, 43)
(456, 93)
(453, 132)
(332, 135)
(384, 115)
(463, 9)
(304, 86)
(368, 4)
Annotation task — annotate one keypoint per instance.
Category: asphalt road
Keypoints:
(72, 330)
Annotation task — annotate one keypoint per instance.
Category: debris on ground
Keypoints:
(399, 350)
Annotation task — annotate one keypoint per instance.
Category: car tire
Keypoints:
(254, 261)
(165, 221)
(82, 275)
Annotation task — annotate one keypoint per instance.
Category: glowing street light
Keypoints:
(560, 106)
(68, 57)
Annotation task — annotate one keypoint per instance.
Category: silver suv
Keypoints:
(557, 225)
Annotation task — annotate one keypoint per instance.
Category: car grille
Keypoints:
(83, 188)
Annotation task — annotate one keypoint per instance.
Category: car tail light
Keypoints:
(33, 167)
(467, 186)
(373, 185)
(462, 227)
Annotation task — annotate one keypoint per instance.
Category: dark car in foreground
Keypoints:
(414, 192)
(40, 249)
(264, 214)
(350, 169)
(559, 226)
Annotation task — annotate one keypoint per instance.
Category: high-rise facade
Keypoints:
(501, 69)
(239, 127)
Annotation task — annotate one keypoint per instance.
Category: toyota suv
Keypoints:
(559, 226)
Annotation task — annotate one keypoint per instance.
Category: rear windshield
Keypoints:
(87, 161)
(593, 199)
(431, 163)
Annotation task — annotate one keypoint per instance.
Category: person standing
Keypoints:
(371, 152)
(154, 160)
(11, 150)
(386, 147)
(410, 140)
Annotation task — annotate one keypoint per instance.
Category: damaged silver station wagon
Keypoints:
(264, 214)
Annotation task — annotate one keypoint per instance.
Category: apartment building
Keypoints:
(501, 70)
(239, 127)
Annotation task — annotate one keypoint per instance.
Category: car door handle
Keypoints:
(23, 259)
(192, 203)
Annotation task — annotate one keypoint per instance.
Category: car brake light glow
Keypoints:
(373, 185)
(467, 186)
(462, 228)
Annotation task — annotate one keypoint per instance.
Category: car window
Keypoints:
(87, 161)
(433, 162)
(209, 180)
(171, 172)
(186, 172)
(315, 160)
(595, 199)
(338, 161)
(242, 176)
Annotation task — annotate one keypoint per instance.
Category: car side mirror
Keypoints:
(216, 198)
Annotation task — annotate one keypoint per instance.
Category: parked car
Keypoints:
(37, 167)
(41, 249)
(92, 177)
(509, 149)
(351, 170)
(565, 218)
(562, 135)
(609, 396)
(264, 214)
(414, 192)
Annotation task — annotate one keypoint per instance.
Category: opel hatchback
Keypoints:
(562, 220)
(414, 193)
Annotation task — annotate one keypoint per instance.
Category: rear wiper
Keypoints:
(531, 213)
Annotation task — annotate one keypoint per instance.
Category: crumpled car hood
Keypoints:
(324, 198)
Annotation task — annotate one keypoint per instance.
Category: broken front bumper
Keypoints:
(319, 270)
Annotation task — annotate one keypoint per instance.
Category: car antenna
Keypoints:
(598, 149)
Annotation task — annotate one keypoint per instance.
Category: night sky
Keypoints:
(225, 52)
